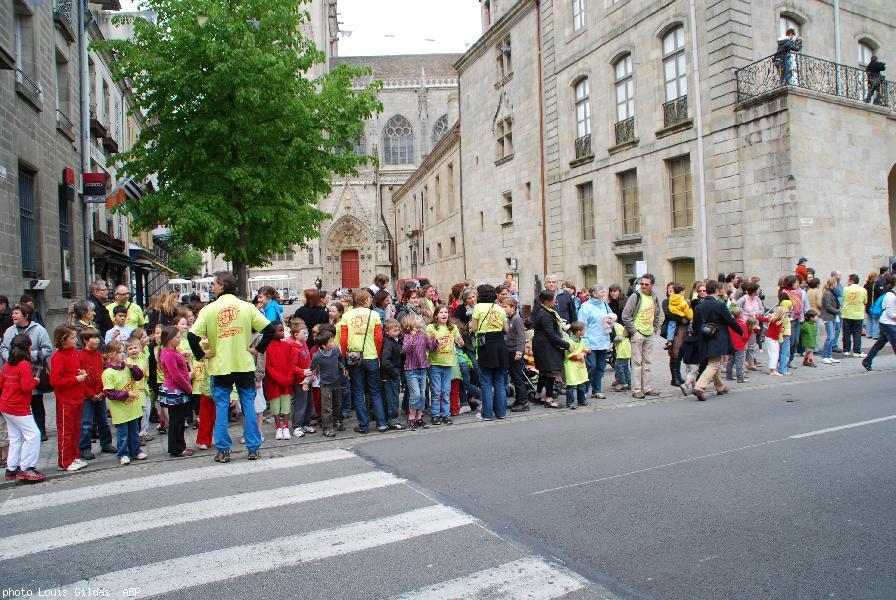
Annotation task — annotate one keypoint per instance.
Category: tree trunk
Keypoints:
(241, 270)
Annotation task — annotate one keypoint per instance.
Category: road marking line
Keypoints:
(150, 482)
(528, 578)
(842, 427)
(656, 467)
(24, 544)
(220, 565)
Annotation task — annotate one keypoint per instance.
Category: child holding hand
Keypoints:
(67, 378)
(123, 387)
(574, 367)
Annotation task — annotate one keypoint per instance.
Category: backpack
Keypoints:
(877, 309)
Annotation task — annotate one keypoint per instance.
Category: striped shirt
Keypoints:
(415, 348)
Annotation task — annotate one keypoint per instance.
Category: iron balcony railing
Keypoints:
(27, 82)
(625, 130)
(816, 74)
(675, 111)
(583, 146)
(62, 14)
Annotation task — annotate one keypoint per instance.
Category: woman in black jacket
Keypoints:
(312, 312)
(714, 340)
(548, 347)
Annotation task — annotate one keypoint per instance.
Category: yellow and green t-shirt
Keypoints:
(127, 410)
(444, 354)
(142, 361)
(228, 323)
(135, 317)
(854, 299)
(489, 317)
(646, 314)
(576, 371)
(355, 322)
(624, 345)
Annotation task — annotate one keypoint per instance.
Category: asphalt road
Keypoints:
(666, 500)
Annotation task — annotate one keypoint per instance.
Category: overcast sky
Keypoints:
(402, 26)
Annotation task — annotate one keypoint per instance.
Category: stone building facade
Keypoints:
(668, 143)
(358, 241)
(40, 240)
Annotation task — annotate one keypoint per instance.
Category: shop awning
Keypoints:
(142, 258)
(99, 251)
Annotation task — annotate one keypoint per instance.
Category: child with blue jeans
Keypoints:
(442, 359)
(415, 346)
(390, 371)
(574, 368)
(623, 365)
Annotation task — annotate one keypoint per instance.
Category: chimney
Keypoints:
(453, 112)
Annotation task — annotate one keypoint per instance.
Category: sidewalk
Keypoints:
(157, 447)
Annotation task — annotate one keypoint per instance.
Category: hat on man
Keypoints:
(802, 260)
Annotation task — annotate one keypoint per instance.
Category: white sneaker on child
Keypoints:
(298, 432)
(286, 434)
(125, 460)
(142, 456)
(279, 435)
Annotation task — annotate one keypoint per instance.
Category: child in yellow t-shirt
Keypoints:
(623, 365)
(574, 367)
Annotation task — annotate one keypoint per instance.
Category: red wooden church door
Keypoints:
(351, 275)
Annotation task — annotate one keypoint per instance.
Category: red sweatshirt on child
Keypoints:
(774, 329)
(740, 341)
(301, 356)
(17, 383)
(279, 369)
(92, 362)
(64, 366)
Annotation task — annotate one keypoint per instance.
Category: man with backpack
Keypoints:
(885, 307)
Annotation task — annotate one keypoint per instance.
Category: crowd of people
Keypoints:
(387, 360)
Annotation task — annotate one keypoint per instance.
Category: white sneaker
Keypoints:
(279, 435)
(827, 361)
(860, 355)
(833, 360)
(142, 456)
(464, 409)
(76, 465)
(847, 354)
(309, 429)
(286, 434)
(242, 440)
(298, 432)
(124, 460)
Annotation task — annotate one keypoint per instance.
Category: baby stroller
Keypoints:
(530, 373)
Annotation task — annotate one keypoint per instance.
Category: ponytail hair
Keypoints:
(19, 349)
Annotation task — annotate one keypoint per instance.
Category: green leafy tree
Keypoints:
(185, 261)
(243, 141)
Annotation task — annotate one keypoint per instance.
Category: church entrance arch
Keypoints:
(891, 188)
(349, 250)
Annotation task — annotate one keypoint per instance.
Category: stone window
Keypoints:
(675, 64)
(583, 109)
(585, 193)
(62, 84)
(449, 188)
(625, 88)
(398, 141)
(786, 22)
(452, 245)
(310, 256)
(428, 255)
(360, 145)
(438, 188)
(23, 40)
(578, 14)
(631, 210)
(504, 138)
(589, 275)
(439, 129)
(65, 253)
(283, 256)
(507, 206)
(680, 186)
(865, 52)
(503, 52)
(28, 222)
(439, 250)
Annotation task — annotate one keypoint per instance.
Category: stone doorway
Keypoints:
(351, 274)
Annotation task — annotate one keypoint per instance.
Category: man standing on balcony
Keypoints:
(787, 46)
(875, 79)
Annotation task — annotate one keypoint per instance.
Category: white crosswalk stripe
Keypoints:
(150, 482)
(220, 565)
(524, 579)
(89, 531)
(398, 521)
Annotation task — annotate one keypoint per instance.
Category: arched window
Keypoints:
(583, 108)
(439, 129)
(675, 64)
(625, 90)
(360, 145)
(865, 52)
(398, 141)
(786, 22)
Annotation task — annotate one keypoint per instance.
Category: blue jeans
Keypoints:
(887, 334)
(872, 326)
(468, 388)
(829, 338)
(596, 361)
(346, 389)
(784, 356)
(838, 327)
(794, 338)
(94, 410)
(221, 396)
(440, 386)
(572, 391)
(623, 368)
(390, 395)
(128, 435)
(494, 392)
(366, 377)
(416, 379)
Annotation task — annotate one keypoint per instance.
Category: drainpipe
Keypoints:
(544, 224)
(698, 116)
(837, 32)
(460, 176)
(87, 211)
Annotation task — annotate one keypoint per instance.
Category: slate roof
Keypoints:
(403, 66)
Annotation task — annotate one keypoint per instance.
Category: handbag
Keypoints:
(43, 374)
(480, 337)
(709, 329)
(354, 358)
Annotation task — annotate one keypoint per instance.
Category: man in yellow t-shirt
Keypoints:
(641, 319)
(135, 317)
(361, 336)
(228, 323)
(855, 297)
